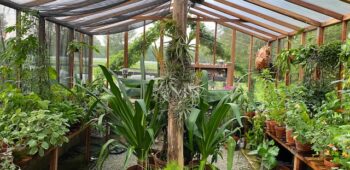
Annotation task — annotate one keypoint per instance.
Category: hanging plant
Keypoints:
(328, 55)
(284, 60)
(75, 46)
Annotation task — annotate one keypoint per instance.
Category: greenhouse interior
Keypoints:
(174, 84)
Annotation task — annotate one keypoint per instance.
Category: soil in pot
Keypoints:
(280, 132)
(328, 163)
(305, 148)
(289, 137)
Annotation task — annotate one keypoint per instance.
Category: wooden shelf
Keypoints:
(315, 163)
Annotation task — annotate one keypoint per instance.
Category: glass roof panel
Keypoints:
(216, 12)
(337, 5)
(250, 16)
(203, 13)
(262, 28)
(240, 27)
(269, 13)
(22, 1)
(300, 10)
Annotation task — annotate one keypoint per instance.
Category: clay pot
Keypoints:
(280, 132)
(272, 126)
(267, 124)
(328, 163)
(3, 147)
(250, 114)
(302, 147)
(289, 138)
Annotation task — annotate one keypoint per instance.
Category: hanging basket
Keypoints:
(262, 59)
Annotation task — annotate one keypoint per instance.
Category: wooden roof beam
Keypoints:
(285, 12)
(245, 18)
(237, 28)
(37, 3)
(236, 22)
(318, 9)
(261, 15)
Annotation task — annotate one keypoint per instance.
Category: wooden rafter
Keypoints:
(237, 28)
(259, 14)
(37, 3)
(236, 22)
(142, 17)
(284, 11)
(318, 9)
(243, 17)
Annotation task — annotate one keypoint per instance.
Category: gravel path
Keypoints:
(116, 162)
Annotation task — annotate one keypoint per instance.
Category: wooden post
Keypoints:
(107, 55)
(320, 35)
(161, 50)
(215, 43)
(58, 51)
(277, 71)
(296, 163)
(126, 41)
(196, 57)
(301, 70)
(70, 60)
(81, 58)
(90, 65)
(250, 63)
(176, 125)
(87, 144)
(18, 36)
(54, 159)
(287, 75)
(341, 66)
(231, 72)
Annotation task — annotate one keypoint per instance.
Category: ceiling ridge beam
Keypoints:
(285, 12)
(259, 14)
(318, 9)
(245, 18)
(236, 22)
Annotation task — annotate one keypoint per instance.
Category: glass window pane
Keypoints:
(332, 33)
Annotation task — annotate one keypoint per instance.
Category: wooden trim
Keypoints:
(250, 63)
(283, 11)
(236, 22)
(58, 51)
(301, 70)
(318, 9)
(341, 66)
(243, 17)
(287, 75)
(261, 15)
(54, 159)
(81, 57)
(126, 48)
(277, 71)
(91, 61)
(237, 28)
(231, 72)
(70, 60)
(204, 19)
(215, 42)
(196, 57)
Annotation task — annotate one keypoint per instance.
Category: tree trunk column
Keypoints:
(175, 126)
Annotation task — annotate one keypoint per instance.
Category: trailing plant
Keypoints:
(268, 152)
(284, 59)
(76, 46)
(138, 125)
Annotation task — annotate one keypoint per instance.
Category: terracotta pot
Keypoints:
(268, 126)
(280, 132)
(289, 138)
(3, 147)
(302, 147)
(328, 163)
(272, 126)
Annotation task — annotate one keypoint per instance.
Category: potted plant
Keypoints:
(267, 151)
(138, 124)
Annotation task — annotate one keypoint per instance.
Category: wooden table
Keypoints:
(315, 163)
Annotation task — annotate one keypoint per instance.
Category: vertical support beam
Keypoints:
(18, 36)
(231, 71)
(126, 47)
(70, 60)
(277, 71)
(320, 38)
(90, 65)
(81, 58)
(341, 66)
(54, 159)
(196, 58)
(301, 70)
(287, 75)
(87, 144)
(161, 50)
(107, 54)
(250, 63)
(58, 51)
(215, 42)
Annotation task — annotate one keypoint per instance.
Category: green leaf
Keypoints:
(32, 143)
(45, 145)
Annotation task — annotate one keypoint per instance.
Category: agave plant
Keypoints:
(210, 132)
(138, 124)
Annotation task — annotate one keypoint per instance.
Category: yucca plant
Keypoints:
(138, 124)
(210, 132)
